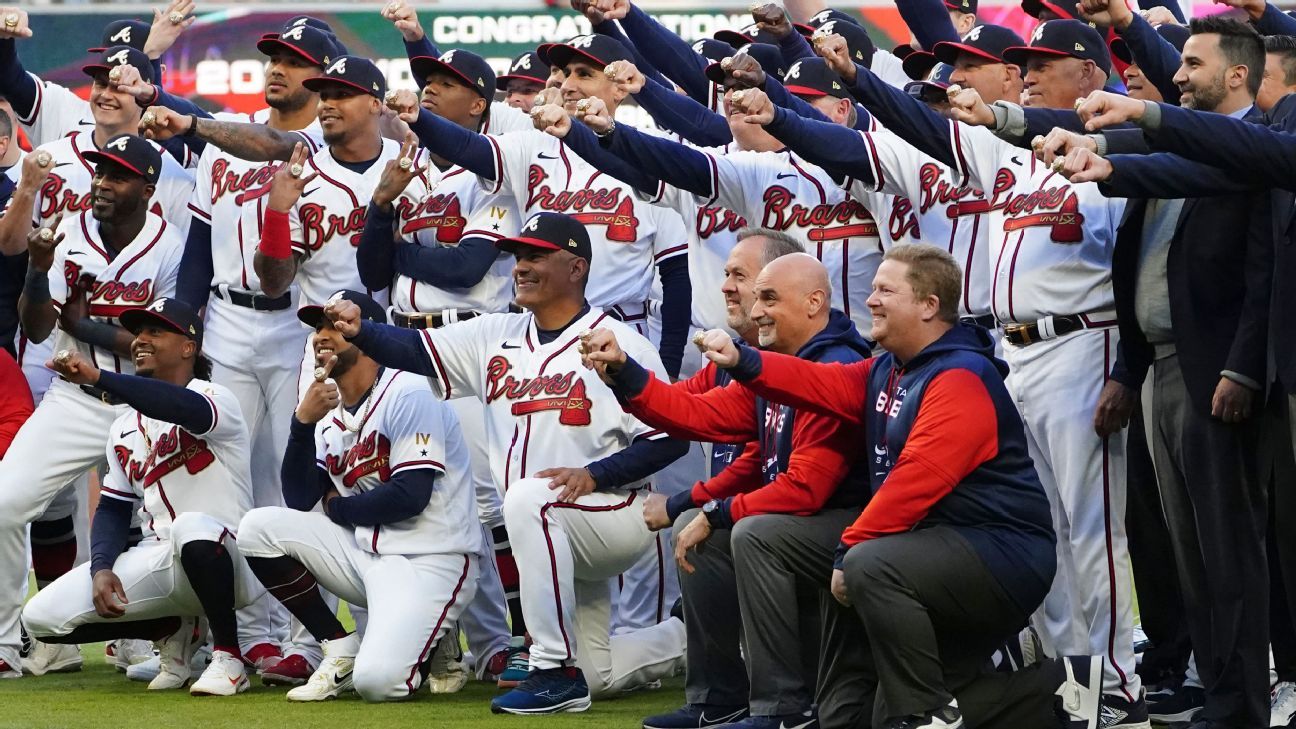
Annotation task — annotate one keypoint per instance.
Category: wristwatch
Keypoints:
(711, 510)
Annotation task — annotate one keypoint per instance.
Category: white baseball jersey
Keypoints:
(544, 409)
(504, 118)
(327, 222)
(67, 189)
(440, 208)
(781, 191)
(57, 113)
(1051, 241)
(927, 204)
(628, 236)
(169, 471)
(402, 427)
(141, 273)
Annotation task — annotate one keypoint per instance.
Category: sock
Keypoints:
(295, 587)
(508, 573)
(210, 570)
(153, 629)
(54, 549)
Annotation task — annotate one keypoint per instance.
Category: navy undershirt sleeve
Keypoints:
(377, 248)
(390, 346)
(304, 482)
(448, 140)
(421, 47)
(929, 21)
(162, 400)
(836, 148)
(685, 168)
(405, 496)
(635, 462)
(612, 30)
(676, 311)
(460, 266)
(585, 143)
(193, 285)
(16, 85)
(669, 54)
(109, 532)
(684, 116)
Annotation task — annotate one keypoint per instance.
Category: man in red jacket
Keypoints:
(15, 400)
(771, 520)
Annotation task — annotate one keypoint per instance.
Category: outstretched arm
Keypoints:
(1169, 177)
(390, 346)
(929, 21)
(668, 53)
(837, 149)
(831, 389)
(684, 116)
(720, 415)
(1251, 151)
(676, 164)
(448, 140)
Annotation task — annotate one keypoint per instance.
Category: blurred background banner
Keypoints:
(216, 63)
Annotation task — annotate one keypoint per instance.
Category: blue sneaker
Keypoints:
(550, 691)
(696, 716)
(804, 720)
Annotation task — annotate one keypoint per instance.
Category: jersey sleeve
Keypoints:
(739, 180)
(164, 285)
(55, 114)
(115, 484)
(458, 353)
(313, 138)
(896, 166)
(977, 154)
(175, 191)
(200, 200)
(228, 424)
(415, 426)
(61, 270)
(513, 153)
(504, 119)
(888, 67)
(671, 238)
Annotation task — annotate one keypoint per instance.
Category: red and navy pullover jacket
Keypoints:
(792, 462)
(945, 446)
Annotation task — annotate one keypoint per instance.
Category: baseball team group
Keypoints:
(863, 387)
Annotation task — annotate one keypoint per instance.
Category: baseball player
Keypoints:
(1050, 245)
(113, 258)
(572, 461)
(629, 235)
(397, 533)
(451, 271)
(525, 78)
(178, 454)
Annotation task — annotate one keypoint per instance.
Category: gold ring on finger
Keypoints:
(320, 374)
(611, 71)
(46, 234)
(296, 170)
(115, 73)
(405, 163)
(11, 20)
(63, 356)
(393, 7)
(43, 158)
(176, 18)
(583, 106)
(738, 95)
(148, 119)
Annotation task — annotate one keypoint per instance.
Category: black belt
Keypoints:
(1024, 334)
(102, 395)
(256, 302)
(434, 320)
(986, 321)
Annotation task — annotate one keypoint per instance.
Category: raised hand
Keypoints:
(833, 49)
(168, 24)
(74, 367)
(742, 72)
(1102, 109)
(593, 113)
(1059, 143)
(1082, 165)
(405, 18)
(626, 76)
(590, 10)
(551, 119)
(36, 168)
(1159, 15)
(1254, 8)
(753, 105)
(600, 350)
(967, 106)
(344, 315)
(288, 183)
(41, 244)
(613, 9)
(717, 346)
(405, 103)
(398, 173)
(129, 81)
(1109, 13)
(160, 123)
(772, 18)
(14, 23)
(322, 396)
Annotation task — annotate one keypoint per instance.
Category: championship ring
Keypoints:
(296, 170)
(46, 234)
(43, 158)
(11, 20)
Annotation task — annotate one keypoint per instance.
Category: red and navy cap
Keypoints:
(312, 315)
(310, 43)
(713, 50)
(1063, 38)
(594, 48)
(1176, 35)
(933, 87)
(172, 314)
(858, 43)
(1035, 8)
(133, 33)
(744, 35)
(134, 153)
(769, 57)
(551, 231)
(468, 67)
(812, 77)
(823, 16)
(963, 6)
(527, 67)
(987, 42)
(116, 56)
(358, 73)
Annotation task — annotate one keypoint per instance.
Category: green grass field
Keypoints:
(99, 697)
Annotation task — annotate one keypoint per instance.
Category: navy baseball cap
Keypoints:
(358, 73)
(963, 6)
(116, 56)
(134, 153)
(858, 43)
(172, 314)
(317, 24)
(769, 57)
(713, 50)
(552, 231)
(987, 42)
(468, 67)
(594, 48)
(1035, 8)
(527, 67)
(1176, 35)
(933, 88)
(1063, 38)
(308, 42)
(133, 33)
(824, 16)
(918, 65)
(744, 35)
(312, 315)
(812, 77)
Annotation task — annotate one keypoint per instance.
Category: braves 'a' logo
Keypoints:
(523, 62)
(122, 37)
(562, 391)
(120, 58)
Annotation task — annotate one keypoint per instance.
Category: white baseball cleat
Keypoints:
(333, 677)
(225, 676)
(51, 658)
(126, 652)
(148, 670)
(447, 671)
(174, 654)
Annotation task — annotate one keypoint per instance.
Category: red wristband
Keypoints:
(276, 240)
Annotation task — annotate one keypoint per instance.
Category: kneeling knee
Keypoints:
(254, 530)
(376, 684)
(39, 617)
(526, 496)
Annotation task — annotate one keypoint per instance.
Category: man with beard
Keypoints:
(116, 257)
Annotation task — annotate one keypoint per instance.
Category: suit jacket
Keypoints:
(1220, 273)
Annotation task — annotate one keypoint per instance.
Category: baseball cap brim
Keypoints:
(510, 245)
(424, 66)
(1033, 8)
(91, 69)
(501, 82)
(948, 52)
(805, 91)
(136, 319)
(272, 42)
(733, 38)
(561, 54)
(319, 83)
(97, 156)
(312, 315)
(1017, 55)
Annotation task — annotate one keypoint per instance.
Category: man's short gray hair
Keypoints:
(777, 243)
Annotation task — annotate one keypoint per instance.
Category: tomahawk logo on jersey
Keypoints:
(170, 471)
(402, 428)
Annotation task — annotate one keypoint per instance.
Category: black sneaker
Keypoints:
(696, 716)
(1080, 695)
(1117, 712)
(946, 717)
(1180, 705)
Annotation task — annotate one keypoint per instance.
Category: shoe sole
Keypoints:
(569, 706)
(330, 697)
(275, 679)
(57, 668)
(1183, 716)
(243, 686)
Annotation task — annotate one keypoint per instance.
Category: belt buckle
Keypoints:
(1019, 331)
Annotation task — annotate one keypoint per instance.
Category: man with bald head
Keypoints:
(771, 520)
